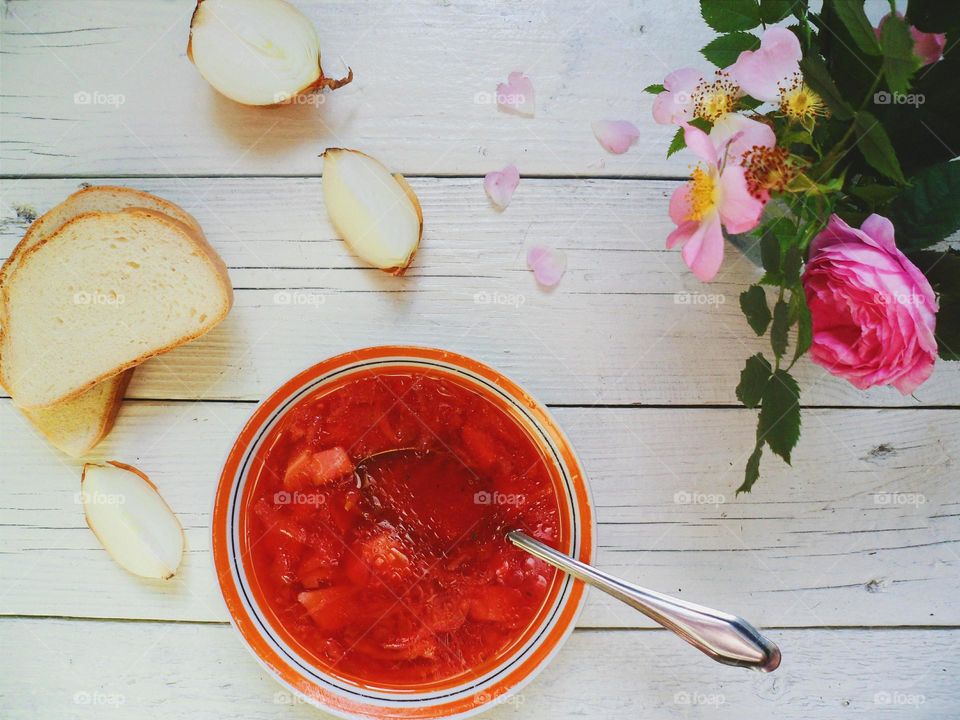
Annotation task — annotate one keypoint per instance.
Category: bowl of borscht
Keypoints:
(359, 534)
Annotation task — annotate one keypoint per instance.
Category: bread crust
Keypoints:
(193, 234)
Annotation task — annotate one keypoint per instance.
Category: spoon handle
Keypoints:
(727, 639)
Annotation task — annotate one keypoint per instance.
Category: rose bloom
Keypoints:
(873, 311)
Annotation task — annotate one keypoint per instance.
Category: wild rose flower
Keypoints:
(873, 311)
(716, 197)
(928, 47)
(688, 94)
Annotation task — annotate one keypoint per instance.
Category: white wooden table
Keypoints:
(850, 558)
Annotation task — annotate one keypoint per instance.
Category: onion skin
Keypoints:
(320, 83)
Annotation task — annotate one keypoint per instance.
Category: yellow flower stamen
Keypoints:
(711, 101)
(798, 102)
(703, 193)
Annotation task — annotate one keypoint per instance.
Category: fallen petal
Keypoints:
(615, 136)
(548, 265)
(516, 95)
(500, 185)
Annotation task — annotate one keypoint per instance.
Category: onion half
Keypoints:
(377, 214)
(257, 52)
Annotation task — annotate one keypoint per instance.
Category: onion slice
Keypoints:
(130, 519)
(377, 214)
(257, 52)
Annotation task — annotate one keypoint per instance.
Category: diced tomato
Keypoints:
(317, 468)
(331, 608)
(482, 447)
(496, 603)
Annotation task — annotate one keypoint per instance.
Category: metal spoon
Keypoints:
(728, 639)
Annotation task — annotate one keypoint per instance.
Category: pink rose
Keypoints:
(873, 311)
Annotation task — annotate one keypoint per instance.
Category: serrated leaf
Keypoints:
(874, 144)
(899, 60)
(724, 50)
(678, 143)
(929, 210)
(654, 89)
(753, 379)
(804, 323)
(792, 262)
(752, 472)
(780, 328)
(875, 194)
(854, 19)
(816, 75)
(770, 253)
(729, 15)
(773, 11)
(779, 422)
(753, 302)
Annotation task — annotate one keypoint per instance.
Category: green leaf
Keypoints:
(779, 423)
(654, 89)
(899, 60)
(753, 379)
(854, 19)
(752, 472)
(780, 328)
(929, 210)
(724, 50)
(792, 262)
(677, 144)
(770, 253)
(773, 11)
(816, 75)
(801, 312)
(875, 194)
(729, 15)
(942, 270)
(874, 145)
(753, 302)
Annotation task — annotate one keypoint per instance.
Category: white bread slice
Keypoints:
(76, 426)
(102, 294)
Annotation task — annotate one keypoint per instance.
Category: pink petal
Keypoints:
(698, 141)
(703, 254)
(516, 95)
(500, 185)
(680, 205)
(928, 47)
(683, 233)
(548, 265)
(739, 134)
(739, 210)
(880, 229)
(615, 136)
(675, 104)
(760, 72)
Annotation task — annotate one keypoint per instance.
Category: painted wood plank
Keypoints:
(863, 530)
(627, 324)
(86, 669)
(90, 88)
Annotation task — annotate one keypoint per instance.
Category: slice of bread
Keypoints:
(102, 294)
(76, 426)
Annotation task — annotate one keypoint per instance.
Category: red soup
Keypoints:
(391, 568)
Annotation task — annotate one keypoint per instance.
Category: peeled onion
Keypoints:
(377, 214)
(257, 52)
(130, 519)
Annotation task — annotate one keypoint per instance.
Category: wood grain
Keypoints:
(627, 324)
(863, 530)
(199, 671)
